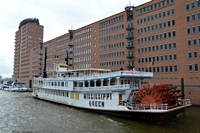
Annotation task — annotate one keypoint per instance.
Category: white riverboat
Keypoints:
(119, 93)
(18, 86)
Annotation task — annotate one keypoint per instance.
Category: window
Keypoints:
(152, 38)
(190, 55)
(193, 17)
(157, 47)
(188, 30)
(193, 30)
(188, 19)
(138, 50)
(162, 69)
(196, 68)
(160, 25)
(170, 57)
(192, 4)
(175, 57)
(168, 12)
(175, 69)
(170, 46)
(160, 36)
(190, 68)
(160, 15)
(195, 55)
(187, 7)
(166, 57)
(194, 42)
(157, 58)
(173, 22)
(153, 48)
(165, 35)
(152, 27)
(163, 14)
(148, 28)
(166, 69)
(199, 28)
(156, 37)
(173, 11)
(156, 26)
(174, 44)
(169, 34)
(145, 29)
(144, 19)
(161, 58)
(165, 45)
(142, 50)
(161, 47)
(138, 60)
(138, 41)
(168, 23)
(172, 1)
(149, 38)
(198, 3)
(198, 16)
(189, 43)
(142, 60)
(170, 68)
(164, 24)
(174, 33)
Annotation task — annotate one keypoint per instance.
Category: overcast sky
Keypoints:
(57, 17)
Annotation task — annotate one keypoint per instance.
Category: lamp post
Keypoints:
(41, 43)
(45, 62)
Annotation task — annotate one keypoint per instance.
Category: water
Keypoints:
(21, 113)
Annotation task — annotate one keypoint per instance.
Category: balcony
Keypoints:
(70, 44)
(130, 65)
(130, 55)
(130, 27)
(130, 45)
(129, 36)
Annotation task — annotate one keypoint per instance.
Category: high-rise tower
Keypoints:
(28, 36)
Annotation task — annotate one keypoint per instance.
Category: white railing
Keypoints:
(184, 102)
(114, 87)
(148, 106)
(104, 75)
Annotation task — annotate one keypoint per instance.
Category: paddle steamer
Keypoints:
(122, 93)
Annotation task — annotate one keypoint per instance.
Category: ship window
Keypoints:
(51, 83)
(58, 83)
(55, 83)
(66, 84)
(62, 84)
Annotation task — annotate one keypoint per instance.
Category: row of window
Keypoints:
(194, 42)
(157, 48)
(82, 45)
(82, 38)
(111, 46)
(82, 66)
(82, 31)
(157, 37)
(109, 38)
(87, 58)
(112, 63)
(113, 29)
(109, 55)
(192, 5)
(158, 58)
(156, 27)
(195, 55)
(62, 44)
(160, 69)
(154, 6)
(193, 67)
(111, 21)
(193, 17)
(193, 30)
(86, 51)
(156, 16)
(62, 39)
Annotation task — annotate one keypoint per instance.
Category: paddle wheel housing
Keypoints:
(158, 94)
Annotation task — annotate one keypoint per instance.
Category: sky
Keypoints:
(57, 17)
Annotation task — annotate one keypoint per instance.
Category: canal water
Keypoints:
(21, 113)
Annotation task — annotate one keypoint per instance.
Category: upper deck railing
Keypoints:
(82, 76)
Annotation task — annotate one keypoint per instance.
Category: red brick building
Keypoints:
(166, 32)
